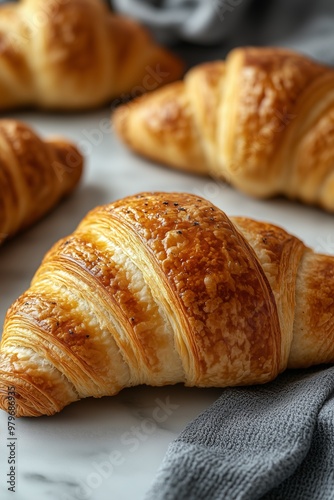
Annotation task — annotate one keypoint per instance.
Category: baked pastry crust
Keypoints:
(162, 288)
(76, 54)
(34, 175)
(263, 120)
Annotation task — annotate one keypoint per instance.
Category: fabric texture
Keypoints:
(191, 20)
(304, 25)
(274, 441)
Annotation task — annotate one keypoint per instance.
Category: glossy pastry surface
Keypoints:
(162, 288)
(263, 120)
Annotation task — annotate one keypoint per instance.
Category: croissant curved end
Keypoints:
(15, 404)
(23, 393)
(69, 160)
(16, 399)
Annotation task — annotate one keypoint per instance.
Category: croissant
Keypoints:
(263, 121)
(159, 289)
(34, 175)
(75, 54)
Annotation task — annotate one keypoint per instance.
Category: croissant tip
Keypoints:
(177, 69)
(120, 121)
(10, 401)
(14, 402)
(18, 397)
(69, 160)
(118, 116)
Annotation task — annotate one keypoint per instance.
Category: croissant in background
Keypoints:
(34, 175)
(162, 288)
(75, 54)
(263, 121)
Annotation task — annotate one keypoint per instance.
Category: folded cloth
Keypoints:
(191, 20)
(274, 441)
(304, 25)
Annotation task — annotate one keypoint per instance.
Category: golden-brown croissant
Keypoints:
(263, 121)
(164, 288)
(34, 175)
(75, 54)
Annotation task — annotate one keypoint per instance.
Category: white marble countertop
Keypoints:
(111, 448)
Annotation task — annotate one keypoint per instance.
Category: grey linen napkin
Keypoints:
(274, 441)
(216, 26)
(199, 21)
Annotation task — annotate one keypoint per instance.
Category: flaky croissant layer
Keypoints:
(34, 175)
(263, 120)
(162, 288)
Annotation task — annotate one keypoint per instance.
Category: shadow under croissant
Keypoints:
(135, 400)
(142, 398)
(146, 398)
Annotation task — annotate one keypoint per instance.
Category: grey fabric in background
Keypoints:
(274, 441)
(201, 22)
(215, 26)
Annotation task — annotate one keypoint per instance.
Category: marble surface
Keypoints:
(111, 448)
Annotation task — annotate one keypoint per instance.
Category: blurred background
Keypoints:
(202, 30)
(208, 29)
